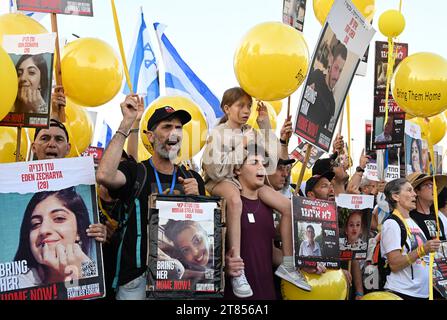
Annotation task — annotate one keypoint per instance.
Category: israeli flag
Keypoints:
(181, 80)
(143, 69)
(105, 135)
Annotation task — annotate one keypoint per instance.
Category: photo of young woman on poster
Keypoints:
(53, 238)
(192, 246)
(354, 233)
(414, 155)
(34, 84)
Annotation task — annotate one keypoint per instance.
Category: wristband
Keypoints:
(359, 169)
(121, 132)
(359, 294)
(409, 260)
(283, 142)
(134, 130)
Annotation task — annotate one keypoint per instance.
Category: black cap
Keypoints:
(323, 165)
(285, 162)
(53, 123)
(311, 183)
(166, 112)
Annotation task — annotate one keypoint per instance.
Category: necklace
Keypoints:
(243, 206)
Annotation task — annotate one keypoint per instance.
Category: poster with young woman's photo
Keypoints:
(416, 150)
(315, 232)
(389, 134)
(185, 247)
(32, 56)
(293, 13)
(47, 253)
(342, 43)
(354, 221)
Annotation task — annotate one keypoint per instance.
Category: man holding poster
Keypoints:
(342, 43)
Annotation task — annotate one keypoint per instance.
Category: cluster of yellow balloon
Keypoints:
(194, 132)
(322, 8)
(252, 120)
(271, 61)
(8, 80)
(433, 128)
(8, 145)
(91, 72)
(330, 285)
(277, 105)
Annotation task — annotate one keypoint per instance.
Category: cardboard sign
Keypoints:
(72, 7)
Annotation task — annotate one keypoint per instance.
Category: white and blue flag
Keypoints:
(104, 136)
(181, 80)
(143, 69)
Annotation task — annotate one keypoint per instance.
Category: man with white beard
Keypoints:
(164, 132)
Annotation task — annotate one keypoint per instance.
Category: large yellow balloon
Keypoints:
(194, 132)
(271, 61)
(91, 72)
(9, 84)
(295, 173)
(391, 23)
(254, 115)
(8, 145)
(277, 105)
(17, 23)
(420, 84)
(79, 127)
(381, 295)
(433, 128)
(143, 154)
(330, 285)
(322, 8)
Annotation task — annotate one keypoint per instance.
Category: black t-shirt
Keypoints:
(427, 223)
(324, 107)
(129, 269)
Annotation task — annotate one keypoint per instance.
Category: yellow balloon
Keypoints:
(143, 154)
(8, 145)
(271, 61)
(91, 72)
(408, 116)
(79, 127)
(277, 105)
(330, 285)
(254, 115)
(295, 173)
(432, 129)
(381, 295)
(8, 79)
(391, 23)
(322, 8)
(18, 23)
(194, 132)
(420, 84)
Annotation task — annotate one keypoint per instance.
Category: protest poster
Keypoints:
(315, 232)
(46, 208)
(377, 166)
(299, 153)
(416, 149)
(293, 13)
(354, 222)
(343, 41)
(440, 270)
(174, 272)
(391, 134)
(95, 152)
(363, 65)
(33, 57)
(438, 150)
(72, 7)
(368, 138)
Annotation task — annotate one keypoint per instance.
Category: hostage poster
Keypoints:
(378, 169)
(315, 232)
(299, 153)
(354, 221)
(416, 150)
(342, 43)
(47, 206)
(72, 7)
(440, 270)
(391, 134)
(32, 56)
(293, 13)
(185, 247)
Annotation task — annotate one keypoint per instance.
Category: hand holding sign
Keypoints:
(190, 185)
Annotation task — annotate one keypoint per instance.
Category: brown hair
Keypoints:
(230, 96)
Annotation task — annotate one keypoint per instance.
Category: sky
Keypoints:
(206, 34)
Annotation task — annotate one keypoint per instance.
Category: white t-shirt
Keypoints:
(403, 281)
(443, 218)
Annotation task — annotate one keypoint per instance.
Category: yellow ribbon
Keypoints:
(120, 44)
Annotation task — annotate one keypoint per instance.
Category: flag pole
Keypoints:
(58, 70)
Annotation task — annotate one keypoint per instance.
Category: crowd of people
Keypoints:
(251, 170)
